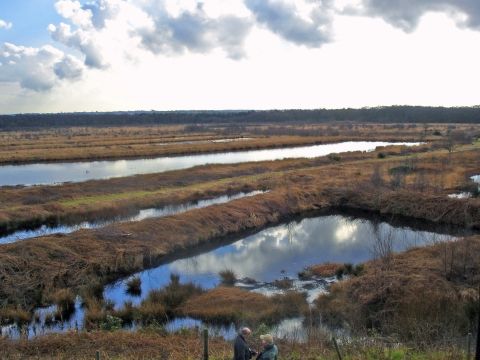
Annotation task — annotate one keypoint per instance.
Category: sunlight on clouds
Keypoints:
(346, 232)
(177, 54)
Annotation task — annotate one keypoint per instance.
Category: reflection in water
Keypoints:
(271, 254)
(35, 174)
(141, 215)
(281, 251)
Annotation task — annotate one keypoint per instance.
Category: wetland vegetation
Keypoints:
(361, 244)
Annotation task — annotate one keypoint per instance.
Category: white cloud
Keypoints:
(37, 69)
(177, 54)
(83, 40)
(5, 25)
(73, 11)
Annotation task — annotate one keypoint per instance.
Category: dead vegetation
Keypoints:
(73, 144)
(226, 305)
(425, 294)
(33, 269)
(154, 343)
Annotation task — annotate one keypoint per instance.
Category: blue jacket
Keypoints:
(270, 352)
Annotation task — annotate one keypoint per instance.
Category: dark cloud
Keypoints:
(406, 14)
(195, 32)
(281, 17)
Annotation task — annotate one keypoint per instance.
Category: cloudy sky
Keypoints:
(95, 55)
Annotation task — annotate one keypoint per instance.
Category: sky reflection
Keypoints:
(54, 173)
(282, 251)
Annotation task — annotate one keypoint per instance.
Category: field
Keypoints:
(395, 182)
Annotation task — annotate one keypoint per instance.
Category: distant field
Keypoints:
(77, 143)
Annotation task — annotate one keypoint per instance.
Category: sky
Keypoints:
(117, 55)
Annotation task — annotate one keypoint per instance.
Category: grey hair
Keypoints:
(245, 331)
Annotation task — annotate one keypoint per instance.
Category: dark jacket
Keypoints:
(270, 352)
(241, 351)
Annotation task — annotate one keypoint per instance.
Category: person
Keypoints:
(270, 350)
(241, 351)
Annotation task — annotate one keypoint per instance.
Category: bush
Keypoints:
(227, 277)
(134, 286)
(173, 295)
(65, 301)
(127, 313)
(111, 323)
(334, 157)
(284, 284)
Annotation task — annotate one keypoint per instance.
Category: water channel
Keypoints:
(273, 253)
(140, 215)
(56, 173)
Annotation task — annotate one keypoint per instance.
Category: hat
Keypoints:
(267, 338)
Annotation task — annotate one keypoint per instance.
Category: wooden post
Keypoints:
(469, 346)
(97, 355)
(477, 355)
(336, 348)
(205, 344)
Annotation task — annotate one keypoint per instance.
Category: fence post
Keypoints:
(205, 344)
(469, 346)
(97, 355)
(477, 355)
(336, 348)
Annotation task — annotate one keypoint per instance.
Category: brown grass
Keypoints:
(423, 294)
(122, 345)
(325, 270)
(70, 144)
(229, 304)
(97, 256)
(120, 196)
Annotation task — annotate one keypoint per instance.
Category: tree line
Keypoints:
(388, 114)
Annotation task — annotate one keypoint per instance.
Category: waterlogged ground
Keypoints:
(141, 215)
(275, 253)
(466, 194)
(55, 173)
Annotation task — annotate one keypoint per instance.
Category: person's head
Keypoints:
(245, 331)
(267, 339)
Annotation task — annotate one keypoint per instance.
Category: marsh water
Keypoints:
(273, 253)
(55, 173)
(140, 215)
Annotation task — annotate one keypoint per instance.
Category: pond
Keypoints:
(273, 253)
(140, 215)
(56, 173)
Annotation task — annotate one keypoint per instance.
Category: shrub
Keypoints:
(16, 315)
(173, 295)
(227, 277)
(111, 323)
(152, 312)
(334, 157)
(134, 286)
(284, 284)
(65, 301)
(127, 313)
